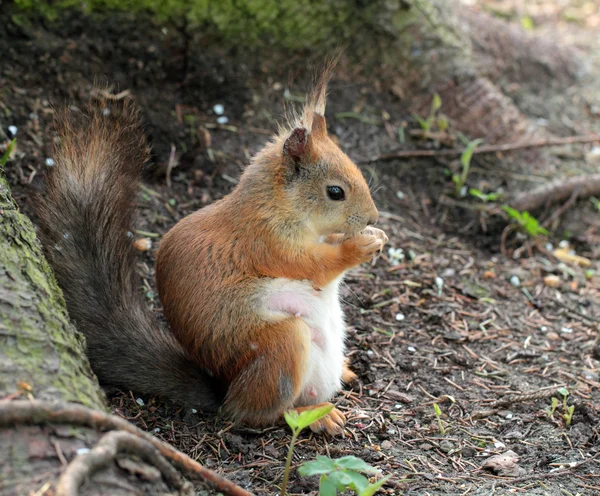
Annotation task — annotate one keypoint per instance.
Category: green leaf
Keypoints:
(465, 158)
(359, 482)
(438, 410)
(291, 418)
(484, 197)
(373, 488)
(7, 153)
(563, 392)
(326, 487)
(424, 123)
(353, 463)
(513, 214)
(308, 417)
(436, 103)
(442, 122)
(322, 465)
(341, 479)
(527, 23)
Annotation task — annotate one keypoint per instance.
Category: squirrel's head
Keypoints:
(317, 179)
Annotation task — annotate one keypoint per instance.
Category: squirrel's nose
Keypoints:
(373, 219)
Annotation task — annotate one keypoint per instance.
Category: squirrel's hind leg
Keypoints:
(269, 383)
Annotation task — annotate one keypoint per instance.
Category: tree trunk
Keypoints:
(42, 361)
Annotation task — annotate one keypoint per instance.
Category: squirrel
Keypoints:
(249, 284)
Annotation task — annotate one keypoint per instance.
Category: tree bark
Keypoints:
(52, 410)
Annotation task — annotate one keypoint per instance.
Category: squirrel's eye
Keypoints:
(335, 193)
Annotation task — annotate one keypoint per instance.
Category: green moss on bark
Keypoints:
(38, 345)
(424, 32)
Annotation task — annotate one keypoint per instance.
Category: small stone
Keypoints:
(49, 162)
(499, 445)
(504, 464)
(142, 244)
(83, 451)
(157, 429)
(412, 349)
(140, 401)
(13, 130)
(446, 446)
(223, 120)
(426, 447)
(439, 282)
(515, 281)
(386, 445)
(400, 195)
(552, 281)
(218, 109)
(400, 317)
(566, 330)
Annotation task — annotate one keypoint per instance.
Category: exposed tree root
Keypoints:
(557, 191)
(84, 466)
(37, 412)
(504, 147)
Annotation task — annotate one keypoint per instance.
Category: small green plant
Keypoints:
(568, 411)
(7, 153)
(564, 392)
(526, 221)
(568, 415)
(342, 474)
(434, 118)
(550, 410)
(298, 422)
(459, 180)
(485, 197)
(438, 416)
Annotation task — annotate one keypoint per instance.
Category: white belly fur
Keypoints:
(322, 312)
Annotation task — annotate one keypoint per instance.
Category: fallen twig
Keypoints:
(504, 147)
(38, 412)
(495, 407)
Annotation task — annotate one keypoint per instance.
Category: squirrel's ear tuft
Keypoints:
(295, 146)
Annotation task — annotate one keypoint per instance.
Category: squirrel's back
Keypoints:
(85, 216)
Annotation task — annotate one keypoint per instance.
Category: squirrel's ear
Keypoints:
(319, 125)
(296, 145)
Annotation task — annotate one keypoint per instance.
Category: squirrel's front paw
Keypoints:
(368, 243)
(333, 423)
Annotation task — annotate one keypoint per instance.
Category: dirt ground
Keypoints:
(449, 319)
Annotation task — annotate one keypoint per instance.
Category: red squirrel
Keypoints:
(249, 284)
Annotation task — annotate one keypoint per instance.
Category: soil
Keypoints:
(450, 319)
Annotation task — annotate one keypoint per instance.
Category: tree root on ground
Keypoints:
(84, 466)
(557, 191)
(503, 147)
(36, 412)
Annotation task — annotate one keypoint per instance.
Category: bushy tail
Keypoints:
(86, 217)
